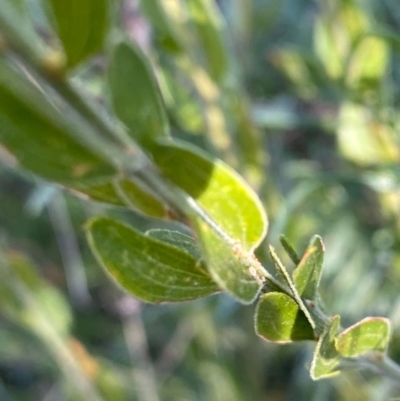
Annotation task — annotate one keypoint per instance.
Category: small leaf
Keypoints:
(226, 264)
(81, 26)
(135, 95)
(370, 334)
(208, 23)
(279, 319)
(289, 249)
(326, 358)
(283, 271)
(150, 269)
(218, 189)
(177, 239)
(307, 274)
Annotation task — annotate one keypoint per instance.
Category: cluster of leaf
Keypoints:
(141, 167)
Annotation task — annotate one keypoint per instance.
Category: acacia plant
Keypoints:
(122, 153)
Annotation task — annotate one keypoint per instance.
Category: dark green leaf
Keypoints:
(135, 95)
(278, 318)
(177, 239)
(370, 334)
(81, 26)
(152, 270)
(307, 274)
(326, 358)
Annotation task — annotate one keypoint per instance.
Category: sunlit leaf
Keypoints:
(135, 94)
(370, 334)
(326, 358)
(152, 270)
(218, 189)
(307, 274)
(279, 319)
(81, 26)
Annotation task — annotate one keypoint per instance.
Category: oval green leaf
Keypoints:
(81, 26)
(370, 334)
(151, 270)
(218, 189)
(279, 319)
(307, 274)
(135, 95)
(326, 358)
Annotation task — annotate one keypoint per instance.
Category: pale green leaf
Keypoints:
(370, 334)
(227, 265)
(165, 31)
(307, 274)
(208, 23)
(218, 189)
(135, 95)
(152, 270)
(326, 358)
(279, 319)
(81, 26)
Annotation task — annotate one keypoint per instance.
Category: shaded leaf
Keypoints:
(135, 94)
(370, 334)
(81, 26)
(140, 198)
(39, 137)
(326, 358)
(218, 189)
(177, 239)
(152, 270)
(279, 319)
(208, 23)
(307, 274)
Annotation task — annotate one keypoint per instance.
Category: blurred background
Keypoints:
(302, 98)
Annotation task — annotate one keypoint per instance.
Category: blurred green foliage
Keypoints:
(301, 97)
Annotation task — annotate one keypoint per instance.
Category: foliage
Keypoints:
(143, 128)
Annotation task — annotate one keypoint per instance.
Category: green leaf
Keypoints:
(283, 271)
(307, 274)
(279, 319)
(27, 298)
(81, 26)
(165, 31)
(135, 95)
(139, 197)
(218, 189)
(289, 249)
(234, 223)
(152, 270)
(227, 265)
(370, 334)
(181, 241)
(326, 358)
(208, 23)
(40, 138)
